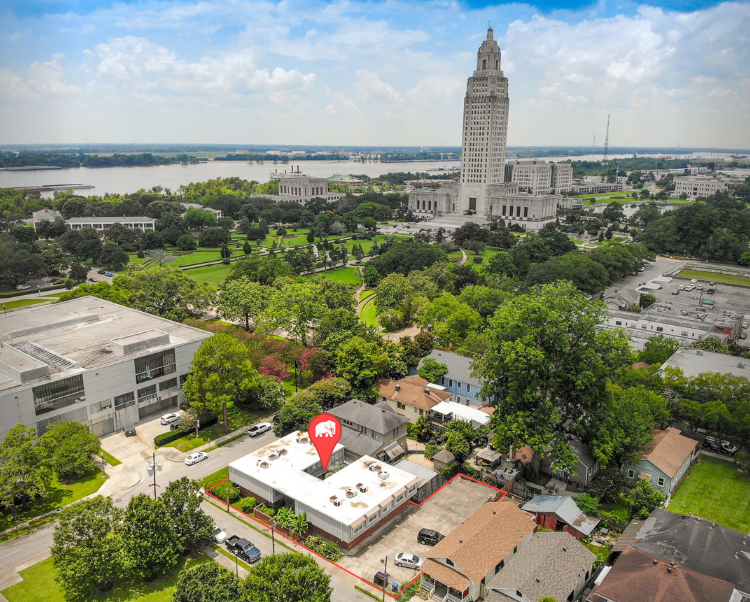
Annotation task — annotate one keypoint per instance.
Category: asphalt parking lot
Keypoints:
(444, 511)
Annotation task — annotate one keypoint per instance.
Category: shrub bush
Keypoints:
(220, 491)
(430, 450)
(327, 549)
(246, 504)
(266, 510)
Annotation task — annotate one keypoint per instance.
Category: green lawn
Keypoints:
(22, 303)
(715, 490)
(215, 477)
(345, 275)
(366, 294)
(39, 585)
(60, 495)
(369, 314)
(111, 460)
(714, 277)
(211, 274)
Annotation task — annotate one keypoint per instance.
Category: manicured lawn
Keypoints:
(715, 490)
(345, 275)
(714, 277)
(111, 460)
(21, 303)
(211, 274)
(39, 585)
(602, 552)
(369, 314)
(60, 495)
(56, 295)
(366, 294)
(215, 477)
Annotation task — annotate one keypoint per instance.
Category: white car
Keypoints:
(219, 535)
(23, 287)
(195, 458)
(689, 287)
(410, 561)
(259, 429)
(169, 419)
(694, 281)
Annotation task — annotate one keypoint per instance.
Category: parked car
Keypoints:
(101, 272)
(743, 336)
(109, 274)
(711, 291)
(410, 561)
(56, 281)
(195, 458)
(429, 537)
(23, 287)
(694, 281)
(699, 287)
(259, 429)
(728, 448)
(219, 535)
(681, 287)
(168, 419)
(711, 444)
(689, 287)
(243, 548)
(93, 280)
(676, 291)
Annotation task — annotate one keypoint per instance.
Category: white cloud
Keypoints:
(41, 81)
(369, 84)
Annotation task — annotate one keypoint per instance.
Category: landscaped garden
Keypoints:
(714, 277)
(715, 490)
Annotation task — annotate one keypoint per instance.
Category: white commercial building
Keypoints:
(483, 188)
(92, 361)
(347, 507)
(299, 188)
(695, 187)
(694, 362)
(540, 177)
(102, 223)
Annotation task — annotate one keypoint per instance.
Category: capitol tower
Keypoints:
(485, 128)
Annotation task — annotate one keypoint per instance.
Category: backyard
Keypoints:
(39, 585)
(715, 277)
(715, 490)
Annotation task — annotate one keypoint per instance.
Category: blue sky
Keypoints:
(350, 72)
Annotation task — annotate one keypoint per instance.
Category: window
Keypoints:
(399, 498)
(659, 329)
(468, 388)
(442, 380)
(421, 412)
(660, 482)
(154, 365)
(101, 406)
(146, 394)
(373, 518)
(458, 384)
(450, 382)
(458, 400)
(631, 474)
(58, 394)
(618, 323)
(183, 378)
(123, 401)
(400, 405)
(168, 384)
(359, 527)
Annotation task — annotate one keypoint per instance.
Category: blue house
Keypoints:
(666, 461)
(458, 380)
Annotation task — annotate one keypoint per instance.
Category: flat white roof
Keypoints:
(462, 412)
(286, 474)
(693, 362)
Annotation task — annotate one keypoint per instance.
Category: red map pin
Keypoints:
(324, 431)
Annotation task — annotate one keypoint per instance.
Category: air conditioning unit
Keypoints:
(375, 468)
(273, 457)
(383, 475)
(362, 488)
(351, 492)
(264, 464)
(335, 500)
(282, 452)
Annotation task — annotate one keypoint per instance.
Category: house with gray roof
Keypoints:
(371, 430)
(585, 470)
(561, 513)
(550, 565)
(458, 380)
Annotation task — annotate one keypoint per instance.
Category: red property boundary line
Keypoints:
(338, 566)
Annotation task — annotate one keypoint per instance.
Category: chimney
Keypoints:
(426, 390)
(656, 561)
(398, 387)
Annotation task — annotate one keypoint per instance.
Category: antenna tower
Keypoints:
(605, 162)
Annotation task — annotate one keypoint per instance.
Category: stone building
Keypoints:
(298, 188)
(695, 187)
(483, 189)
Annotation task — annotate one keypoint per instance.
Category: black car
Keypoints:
(101, 272)
(429, 537)
(711, 444)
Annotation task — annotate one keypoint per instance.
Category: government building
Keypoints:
(523, 192)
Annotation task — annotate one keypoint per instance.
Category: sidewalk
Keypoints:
(215, 442)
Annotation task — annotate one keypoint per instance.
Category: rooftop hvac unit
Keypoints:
(362, 488)
(273, 457)
(383, 475)
(351, 492)
(398, 387)
(264, 465)
(375, 468)
(335, 500)
(302, 440)
(282, 452)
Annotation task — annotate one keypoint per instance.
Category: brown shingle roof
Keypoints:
(638, 576)
(479, 543)
(668, 450)
(412, 392)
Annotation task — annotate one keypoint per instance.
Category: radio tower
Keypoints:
(605, 162)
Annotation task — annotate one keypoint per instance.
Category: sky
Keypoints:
(369, 72)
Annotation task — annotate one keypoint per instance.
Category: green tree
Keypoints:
(214, 237)
(432, 370)
(112, 256)
(658, 349)
(199, 219)
(588, 504)
(642, 500)
(579, 268)
(24, 478)
(103, 290)
(246, 248)
(148, 538)
(208, 582)
(297, 412)
(613, 212)
(361, 362)
(288, 578)
(219, 375)
(78, 272)
(294, 306)
(451, 319)
(165, 291)
(457, 444)
(711, 344)
(546, 367)
(242, 298)
(192, 527)
(422, 428)
(187, 242)
(69, 447)
(87, 549)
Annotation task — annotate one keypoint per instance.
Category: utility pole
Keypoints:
(385, 585)
(605, 162)
(153, 463)
(295, 376)
(236, 565)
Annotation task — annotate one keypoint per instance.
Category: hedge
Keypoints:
(31, 291)
(165, 438)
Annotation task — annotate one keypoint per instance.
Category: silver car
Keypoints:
(410, 561)
(259, 429)
(219, 535)
(195, 458)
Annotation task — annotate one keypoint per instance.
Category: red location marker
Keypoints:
(324, 431)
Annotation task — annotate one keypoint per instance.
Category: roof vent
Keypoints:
(362, 488)
(335, 500)
(656, 561)
(565, 549)
(383, 475)
(398, 387)
(375, 468)
(264, 464)
(351, 492)
(427, 390)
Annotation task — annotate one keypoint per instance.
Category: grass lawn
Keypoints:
(111, 460)
(602, 552)
(345, 275)
(366, 294)
(714, 277)
(369, 314)
(60, 495)
(215, 478)
(55, 295)
(39, 585)
(211, 274)
(22, 303)
(715, 490)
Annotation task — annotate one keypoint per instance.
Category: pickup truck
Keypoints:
(243, 548)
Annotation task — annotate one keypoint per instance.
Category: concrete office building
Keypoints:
(92, 361)
(483, 189)
(299, 188)
(540, 177)
(695, 187)
(347, 507)
(102, 223)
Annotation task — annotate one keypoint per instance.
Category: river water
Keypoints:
(124, 180)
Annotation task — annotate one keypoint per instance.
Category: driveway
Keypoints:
(444, 511)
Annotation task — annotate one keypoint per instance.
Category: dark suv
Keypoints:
(429, 537)
(711, 444)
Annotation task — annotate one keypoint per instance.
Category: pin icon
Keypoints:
(324, 432)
